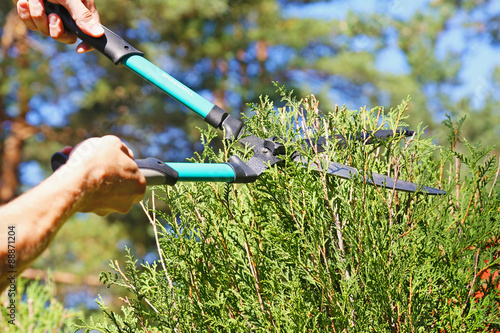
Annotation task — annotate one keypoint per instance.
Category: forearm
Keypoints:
(36, 217)
(100, 177)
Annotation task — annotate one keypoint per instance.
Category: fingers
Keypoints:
(83, 47)
(85, 20)
(23, 10)
(33, 14)
(37, 12)
(56, 30)
(127, 151)
(113, 140)
(91, 6)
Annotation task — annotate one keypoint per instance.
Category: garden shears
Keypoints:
(266, 152)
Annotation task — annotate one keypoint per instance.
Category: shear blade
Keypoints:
(346, 172)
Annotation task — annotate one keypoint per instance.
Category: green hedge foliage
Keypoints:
(302, 251)
(36, 310)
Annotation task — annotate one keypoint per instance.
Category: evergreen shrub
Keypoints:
(302, 251)
(36, 310)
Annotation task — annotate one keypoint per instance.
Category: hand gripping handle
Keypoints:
(155, 171)
(110, 44)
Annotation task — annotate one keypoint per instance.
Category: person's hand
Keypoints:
(32, 13)
(104, 171)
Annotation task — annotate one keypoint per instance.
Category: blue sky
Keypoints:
(338, 9)
(480, 58)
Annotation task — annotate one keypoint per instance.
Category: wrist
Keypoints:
(74, 183)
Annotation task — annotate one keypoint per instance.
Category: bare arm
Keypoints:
(100, 177)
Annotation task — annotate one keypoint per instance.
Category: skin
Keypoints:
(100, 177)
(84, 12)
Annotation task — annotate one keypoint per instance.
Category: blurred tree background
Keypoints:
(357, 53)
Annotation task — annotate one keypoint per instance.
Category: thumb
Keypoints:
(83, 17)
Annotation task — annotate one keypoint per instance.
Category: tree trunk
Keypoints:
(15, 36)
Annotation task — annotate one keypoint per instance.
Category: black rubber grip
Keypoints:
(57, 160)
(110, 44)
(154, 170)
(220, 119)
(157, 172)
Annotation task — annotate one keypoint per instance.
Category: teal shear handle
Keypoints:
(121, 52)
(169, 173)
(168, 84)
(158, 172)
